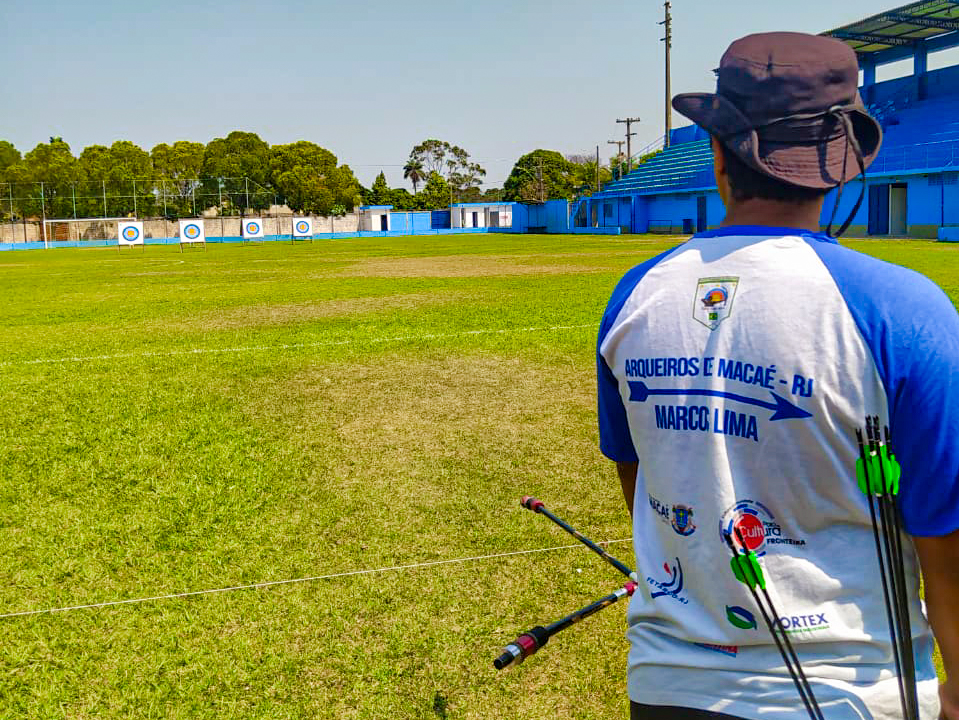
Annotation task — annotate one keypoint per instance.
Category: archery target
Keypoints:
(302, 227)
(252, 228)
(130, 233)
(191, 231)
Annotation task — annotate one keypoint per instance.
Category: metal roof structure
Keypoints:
(903, 26)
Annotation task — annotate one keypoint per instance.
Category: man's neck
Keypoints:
(773, 213)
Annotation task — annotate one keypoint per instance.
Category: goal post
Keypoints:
(79, 230)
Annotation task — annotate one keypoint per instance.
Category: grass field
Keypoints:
(172, 423)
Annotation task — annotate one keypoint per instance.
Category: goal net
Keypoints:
(80, 229)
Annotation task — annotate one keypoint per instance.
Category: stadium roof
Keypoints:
(904, 25)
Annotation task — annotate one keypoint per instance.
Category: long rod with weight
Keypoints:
(529, 642)
(537, 506)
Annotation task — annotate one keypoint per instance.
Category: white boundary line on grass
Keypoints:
(273, 583)
(291, 346)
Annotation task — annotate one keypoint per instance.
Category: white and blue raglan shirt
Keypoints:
(735, 370)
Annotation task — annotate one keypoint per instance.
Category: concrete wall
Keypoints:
(89, 230)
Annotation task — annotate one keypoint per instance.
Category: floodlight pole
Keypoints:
(668, 22)
(629, 140)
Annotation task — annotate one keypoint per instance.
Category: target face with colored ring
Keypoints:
(130, 233)
(302, 226)
(191, 231)
(252, 228)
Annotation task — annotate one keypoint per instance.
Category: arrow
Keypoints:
(781, 407)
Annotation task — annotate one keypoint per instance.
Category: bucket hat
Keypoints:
(787, 104)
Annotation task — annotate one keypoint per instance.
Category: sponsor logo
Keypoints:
(673, 586)
(683, 520)
(730, 650)
(714, 300)
(302, 226)
(681, 516)
(192, 231)
(740, 617)
(804, 623)
(130, 233)
(757, 526)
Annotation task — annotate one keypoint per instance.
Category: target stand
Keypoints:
(252, 230)
(130, 234)
(302, 229)
(192, 234)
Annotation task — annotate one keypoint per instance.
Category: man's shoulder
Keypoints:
(882, 290)
(627, 285)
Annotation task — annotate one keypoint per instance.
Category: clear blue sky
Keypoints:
(369, 80)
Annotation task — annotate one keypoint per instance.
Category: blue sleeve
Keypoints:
(615, 441)
(912, 329)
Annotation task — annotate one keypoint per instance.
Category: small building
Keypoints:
(375, 218)
(481, 215)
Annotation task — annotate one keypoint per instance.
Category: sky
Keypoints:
(370, 80)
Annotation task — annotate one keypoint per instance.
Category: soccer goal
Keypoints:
(79, 229)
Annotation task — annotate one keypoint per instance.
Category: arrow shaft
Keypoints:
(717, 393)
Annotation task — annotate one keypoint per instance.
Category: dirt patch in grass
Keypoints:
(238, 318)
(453, 266)
(395, 422)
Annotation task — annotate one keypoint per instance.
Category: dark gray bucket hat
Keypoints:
(787, 104)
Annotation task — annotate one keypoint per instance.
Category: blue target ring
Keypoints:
(191, 231)
(252, 228)
(302, 227)
(130, 233)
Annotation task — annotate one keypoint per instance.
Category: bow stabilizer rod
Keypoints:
(533, 504)
(531, 641)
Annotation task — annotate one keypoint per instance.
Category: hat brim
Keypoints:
(817, 164)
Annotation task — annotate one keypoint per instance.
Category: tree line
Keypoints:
(242, 172)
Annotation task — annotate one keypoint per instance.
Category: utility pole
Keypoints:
(619, 154)
(597, 168)
(629, 141)
(542, 193)
(668, 22)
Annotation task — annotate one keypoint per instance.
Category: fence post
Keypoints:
(163, 190)
(134, 197)
(103, 184)
(43, 214)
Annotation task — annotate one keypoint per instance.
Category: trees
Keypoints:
(307, 177)
(436, 193)
(438, 156)
(45, 180)
(177, 168)
(414, 172)
(227, 162)
(123, 173)
(9, 155)
(379, 192)
(539, 176)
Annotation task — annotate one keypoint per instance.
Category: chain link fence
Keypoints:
(89, 210)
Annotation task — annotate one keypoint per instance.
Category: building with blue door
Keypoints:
(912, 187)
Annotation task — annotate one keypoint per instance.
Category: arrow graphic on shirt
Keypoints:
(781, 408)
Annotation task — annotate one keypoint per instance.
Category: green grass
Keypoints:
(175, 422)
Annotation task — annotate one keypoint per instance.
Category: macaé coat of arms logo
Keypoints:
(714, 300)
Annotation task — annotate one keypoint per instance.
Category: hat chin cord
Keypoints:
(839, 113)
